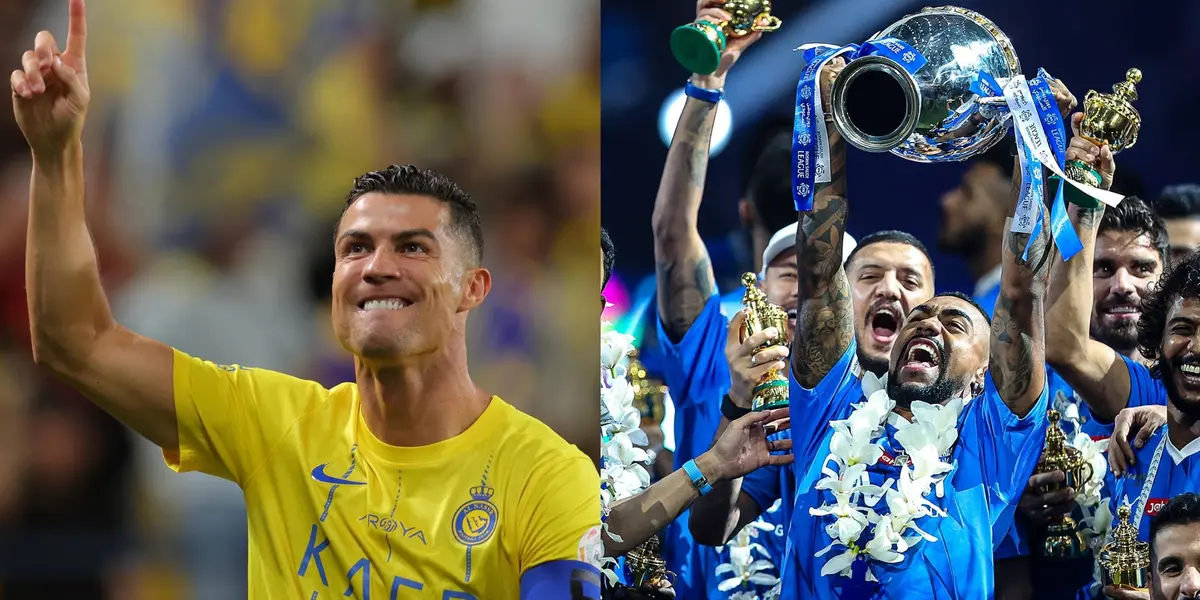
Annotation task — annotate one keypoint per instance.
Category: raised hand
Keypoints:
(1116, 593)
(1038, 508)
(1062, 96)
(1100, 157)
(743, 446)
(711, 11)
(50, 90)
(747, 364)
(828, 74)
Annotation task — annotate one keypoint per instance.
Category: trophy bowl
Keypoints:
(698, 45)
(1062, 538)
(771, 390)
(933, 115)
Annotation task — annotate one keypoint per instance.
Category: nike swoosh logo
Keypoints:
(319, 474)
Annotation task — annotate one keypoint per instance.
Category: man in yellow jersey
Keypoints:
(411, 483)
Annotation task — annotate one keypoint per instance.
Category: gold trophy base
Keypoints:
(1062, 541)
(1134, 579)
(1084, 173)
(771, 392)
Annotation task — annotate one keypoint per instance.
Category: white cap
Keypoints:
(785, 239)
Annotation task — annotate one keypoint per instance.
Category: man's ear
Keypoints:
(477, 283)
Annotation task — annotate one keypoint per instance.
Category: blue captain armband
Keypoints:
(565, 579)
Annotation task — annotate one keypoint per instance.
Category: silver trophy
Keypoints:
(935, 114)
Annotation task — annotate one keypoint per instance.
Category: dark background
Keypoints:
(1089, 45)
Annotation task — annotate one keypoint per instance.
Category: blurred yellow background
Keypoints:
(222, 139)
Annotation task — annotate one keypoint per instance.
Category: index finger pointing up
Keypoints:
(77, 32)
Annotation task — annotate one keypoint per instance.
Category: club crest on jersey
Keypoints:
(476, 519)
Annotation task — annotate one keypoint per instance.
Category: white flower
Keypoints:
(614, 347)
(749, 562)
(1093, 454)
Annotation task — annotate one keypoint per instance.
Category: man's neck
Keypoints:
(987, 259)
(1181, 429)
(422, 401)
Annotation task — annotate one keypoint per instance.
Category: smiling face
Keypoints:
(780, 284)
(1175, 562)
(941, 352)
(401, 286)
(887, 279)
(1127, 264)
(1179, 355)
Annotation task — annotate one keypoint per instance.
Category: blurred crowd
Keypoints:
(222, 139)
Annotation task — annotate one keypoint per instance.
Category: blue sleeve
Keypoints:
(566, 579)
(987, 300)
(695, 371)
(1144, 390)
(1005, 447)
(1013, 544)
(812, 410)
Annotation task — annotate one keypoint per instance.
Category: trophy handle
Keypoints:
(770, 23)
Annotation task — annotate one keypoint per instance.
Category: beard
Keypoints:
(1189, 407)
(939, 392)
(870, 364)
(1122, 338)
(967, 242)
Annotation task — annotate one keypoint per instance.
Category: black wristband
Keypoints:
(732, 411)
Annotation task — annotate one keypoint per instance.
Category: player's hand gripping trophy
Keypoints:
(1109, 121)
(722, 29)
(771, 391)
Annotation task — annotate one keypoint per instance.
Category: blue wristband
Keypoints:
(698, 478)
(703, 95)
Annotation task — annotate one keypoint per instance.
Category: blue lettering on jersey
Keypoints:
(312, 553)
(363, 565)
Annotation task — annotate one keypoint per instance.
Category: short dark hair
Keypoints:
(610, 255)
(1181, 280)
(1133, 215)
(769, 185)
(1178, 201)
(1183, 509)
(412, 180)
(968, 300)
(891, 236)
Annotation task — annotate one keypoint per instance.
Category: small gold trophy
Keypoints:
(649, 571)
(649, 395)
(1125, 561)
(1062, 538)
(1107, 119)
(698, 45)
(772, 389)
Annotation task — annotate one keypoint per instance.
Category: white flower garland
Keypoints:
(856, 446)
(749, 562)
(621, 472)
(1089, 497)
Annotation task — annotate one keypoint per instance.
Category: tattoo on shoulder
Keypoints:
(825, 324)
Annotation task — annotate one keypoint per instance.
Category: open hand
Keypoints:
(747, 364)
(1039, 508)
(1099, 157)
(743, 446)
(1144, 420)
(50, 90)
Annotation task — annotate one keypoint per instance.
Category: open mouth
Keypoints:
(921, 356)
(383, 304)
(791, 314)
(884, 324)
(1124, 312)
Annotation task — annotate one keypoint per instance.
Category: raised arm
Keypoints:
(825, 316)
(681, 263)
(73, 331)
(1091, 367)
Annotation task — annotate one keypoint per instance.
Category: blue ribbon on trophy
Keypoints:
(810, 138)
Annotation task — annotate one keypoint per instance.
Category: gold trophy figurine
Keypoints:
(1107, 119)
(1125, 561)
(649, 571)
(698, 45)
(771, 391)
(1062, 538)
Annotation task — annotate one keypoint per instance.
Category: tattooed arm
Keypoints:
(681, 263)
(1018, 344)
(825, 319)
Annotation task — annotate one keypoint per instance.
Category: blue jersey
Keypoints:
(995, 453)
(1178, 472)
(697, 374)
(986, 297)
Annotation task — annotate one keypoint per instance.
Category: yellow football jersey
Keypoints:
(334, 512)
